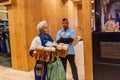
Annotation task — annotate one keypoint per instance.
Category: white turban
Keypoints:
(41, 24)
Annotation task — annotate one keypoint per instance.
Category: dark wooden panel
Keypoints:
(110, 50)
(105, 37)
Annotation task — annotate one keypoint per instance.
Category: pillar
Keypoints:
(86, 9)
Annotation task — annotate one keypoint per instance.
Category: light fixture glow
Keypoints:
(92, 1)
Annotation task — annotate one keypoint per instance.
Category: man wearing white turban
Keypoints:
(44, 70)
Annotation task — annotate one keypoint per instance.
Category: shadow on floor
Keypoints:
(5, 61)
(106, 72)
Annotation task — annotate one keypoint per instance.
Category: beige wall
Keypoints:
(24, 16)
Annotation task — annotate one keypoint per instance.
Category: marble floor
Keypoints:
(7, 73)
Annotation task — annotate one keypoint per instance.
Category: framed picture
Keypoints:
(5, 2)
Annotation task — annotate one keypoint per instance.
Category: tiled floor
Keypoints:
(7, 73)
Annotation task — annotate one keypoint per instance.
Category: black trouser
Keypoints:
(71, 59)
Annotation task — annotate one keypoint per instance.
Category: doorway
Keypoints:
(5, 55)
